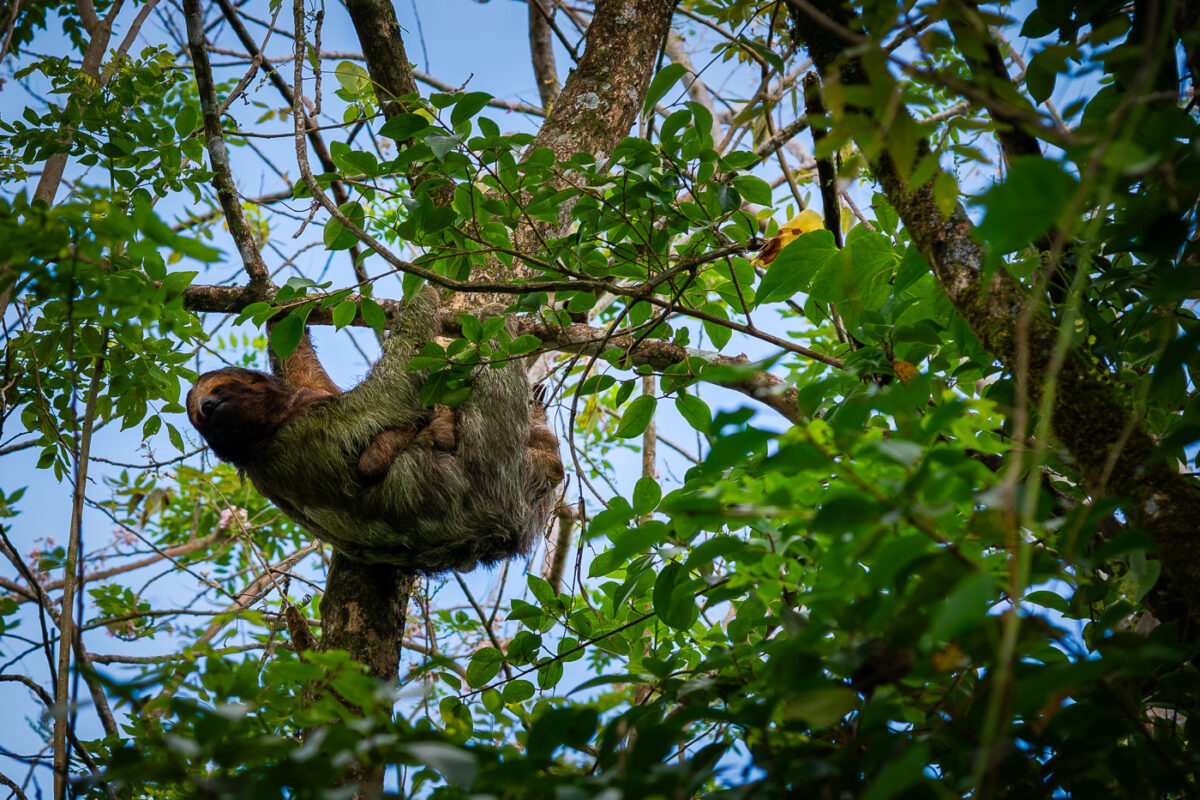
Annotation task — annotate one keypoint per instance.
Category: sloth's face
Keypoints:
(237, 410)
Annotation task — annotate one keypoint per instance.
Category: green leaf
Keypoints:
(548, 675)
(1042, 73)
(1036, 25)
(623, 392)
(1048, 599)
(404, 126)
(528, 613)
(902, 452)
(846, 511)
(372, 313)
(187, 121)
(524, 647)
(661, 84)
(151, 426)
(695, 411)
(636, 417)
(703, 122)
(596, 383)
(820, 707)
(447, 386)
(646, 494)
(472, 329)
(965, 608)
(1144, 572)
(570, 727)
(728, 198)
(912, 268)
(1030, 201)
(338, 237)
(286, 334)
(793, 269)
(627, 543)
(542, 590)
(441, 144)
(343, 313)
(353, 77)
(468, 105)
(484, 666)
(674, 597)
(518, 691)
(753, 189)
(523, 345)
(945, 192)
(720, 334)
(900, 773)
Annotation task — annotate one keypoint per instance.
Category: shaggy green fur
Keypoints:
(433, 511)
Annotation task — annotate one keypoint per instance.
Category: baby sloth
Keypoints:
(376, 474)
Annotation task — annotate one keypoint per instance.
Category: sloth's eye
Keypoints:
(218, 390)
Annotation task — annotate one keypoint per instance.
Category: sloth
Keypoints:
(374, 472)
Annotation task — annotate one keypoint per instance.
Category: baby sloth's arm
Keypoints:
(303, 370)
(438, 435)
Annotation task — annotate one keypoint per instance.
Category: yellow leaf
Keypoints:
(905, 371)
(949, 658)
(806, 221)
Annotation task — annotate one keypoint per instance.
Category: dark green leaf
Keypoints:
(674, 597)
(338, 237)
(636, 417)
(793, 269)
(484, 666)
(1029, 202)
(661, 84)
(288, 331)
(965, 608)
(344, 313)
(695, 411)
(646, 494)
(518, 691)
(404, 126)
(469, 104)
(753, 189)
(372, 313)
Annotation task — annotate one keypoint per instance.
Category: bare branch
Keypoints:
(218, 154)
(541, 51)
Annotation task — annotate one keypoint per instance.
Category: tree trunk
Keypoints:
(363, 611)
(364, 607)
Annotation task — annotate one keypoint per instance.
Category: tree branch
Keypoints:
(541, 53)
(218, 154)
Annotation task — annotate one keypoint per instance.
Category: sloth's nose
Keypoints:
(209, 405)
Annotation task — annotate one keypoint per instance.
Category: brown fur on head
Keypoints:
(237, 411)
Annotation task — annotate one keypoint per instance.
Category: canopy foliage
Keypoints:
(871, 337)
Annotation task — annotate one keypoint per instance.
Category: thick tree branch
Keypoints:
(100, 31)
(383, 48)
(541, 53)
(364, 611)
(67, 621)
(764, 387)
